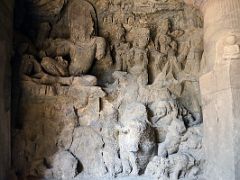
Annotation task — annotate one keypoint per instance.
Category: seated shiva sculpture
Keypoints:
(83, 47)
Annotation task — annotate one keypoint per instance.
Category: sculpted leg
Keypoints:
(133, 161)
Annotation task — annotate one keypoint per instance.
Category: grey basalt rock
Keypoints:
(109, 90)
(136, 140)
(45, 9)
(87, 145)
(63, 166)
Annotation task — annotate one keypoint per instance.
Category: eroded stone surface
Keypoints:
(110, 91)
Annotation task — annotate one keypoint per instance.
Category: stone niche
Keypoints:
(106, 89)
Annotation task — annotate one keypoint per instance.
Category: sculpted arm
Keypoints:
(101, 47)
(58, 47)
(156, 42)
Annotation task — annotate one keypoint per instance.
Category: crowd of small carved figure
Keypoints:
(115, 110)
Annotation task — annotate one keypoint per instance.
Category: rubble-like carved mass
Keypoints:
(108, 89)
(196, 3)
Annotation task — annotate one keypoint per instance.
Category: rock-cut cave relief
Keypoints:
(108, 89)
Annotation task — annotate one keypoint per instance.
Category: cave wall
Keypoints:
(107, 89)
(219, 87)
(6, 19)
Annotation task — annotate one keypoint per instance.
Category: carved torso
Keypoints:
(82, 58)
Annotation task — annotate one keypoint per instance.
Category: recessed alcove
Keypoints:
(110, 89)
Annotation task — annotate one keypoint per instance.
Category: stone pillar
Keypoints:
(6, 20)
(220, 87)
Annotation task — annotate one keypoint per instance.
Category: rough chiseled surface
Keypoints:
(108, 89)
(196, 3)
(6, 19)
(220, 89)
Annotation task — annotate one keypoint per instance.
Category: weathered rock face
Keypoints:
(137, 112)
(219, 87)
(6, 29)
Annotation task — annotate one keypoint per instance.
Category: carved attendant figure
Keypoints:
(138, 56)
(122, 48)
